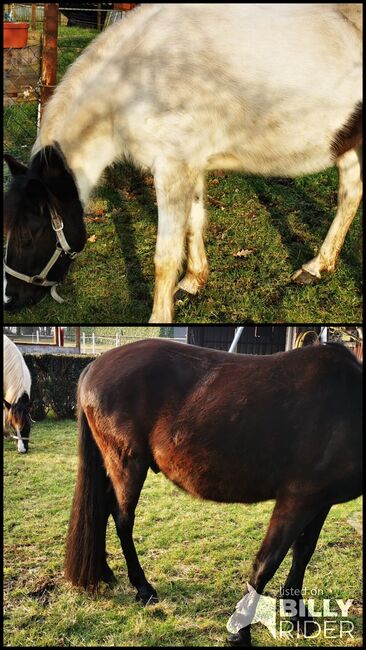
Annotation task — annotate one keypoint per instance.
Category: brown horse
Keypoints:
(225, 427)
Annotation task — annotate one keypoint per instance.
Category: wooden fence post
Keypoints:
(49, 52)
(77, 338)
(34, 16)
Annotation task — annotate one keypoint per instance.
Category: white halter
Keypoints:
(61, 247)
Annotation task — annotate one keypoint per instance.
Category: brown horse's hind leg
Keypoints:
(303, 549)
(128, 476)
(289, 518)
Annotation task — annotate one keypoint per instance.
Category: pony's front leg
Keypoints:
(349, 196)
(197, 267)
(289, 518)
(174, 183)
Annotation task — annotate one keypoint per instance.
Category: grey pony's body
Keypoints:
(272, 89)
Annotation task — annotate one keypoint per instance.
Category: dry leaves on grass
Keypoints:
(94, 219)
(97, 215)
(215, 202)
(244, 252)
(92, 238)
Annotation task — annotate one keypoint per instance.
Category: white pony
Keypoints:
(17, 388)
(272, 89)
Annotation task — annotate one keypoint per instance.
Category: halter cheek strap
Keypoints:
(61, 247)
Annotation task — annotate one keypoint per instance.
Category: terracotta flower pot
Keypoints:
(15, 34)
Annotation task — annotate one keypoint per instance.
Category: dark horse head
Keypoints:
(18, 415)
(43, 222)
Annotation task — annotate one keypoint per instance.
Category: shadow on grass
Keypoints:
(284, 196)
(130, 179)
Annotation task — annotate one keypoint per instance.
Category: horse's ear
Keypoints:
(16, 167)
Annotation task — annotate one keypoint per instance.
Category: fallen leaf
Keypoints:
(244, 252)
(94, 219)
(92, 238)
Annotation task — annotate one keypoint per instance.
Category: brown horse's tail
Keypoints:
(85, 563)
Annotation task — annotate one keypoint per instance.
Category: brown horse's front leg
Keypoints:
(288, 519)
(303, 549)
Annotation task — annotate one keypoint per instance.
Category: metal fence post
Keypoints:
(49, 52)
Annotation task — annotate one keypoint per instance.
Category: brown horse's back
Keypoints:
(235, 428)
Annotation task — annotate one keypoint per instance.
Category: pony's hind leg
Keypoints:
(288, 519)
(174, 183)
(303, 549)
(349, 196)
(197, 267)
(128, 474)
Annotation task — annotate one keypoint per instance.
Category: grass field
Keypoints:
(197, 554)
(278, 223)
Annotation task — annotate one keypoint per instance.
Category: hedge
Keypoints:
(54, 383)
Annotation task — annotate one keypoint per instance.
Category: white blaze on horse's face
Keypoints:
(5, 297)
(21, 448)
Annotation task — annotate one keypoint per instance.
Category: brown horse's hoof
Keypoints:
(109, 577)
(304, 277)
(147, 599)
(240, 639)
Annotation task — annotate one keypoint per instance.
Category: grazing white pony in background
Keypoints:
(17, 388)
(271, 89)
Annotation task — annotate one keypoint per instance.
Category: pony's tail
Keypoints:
(85, 563)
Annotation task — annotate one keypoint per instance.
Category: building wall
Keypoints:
(262, 339)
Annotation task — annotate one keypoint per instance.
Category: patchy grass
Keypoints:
(279, 224)
(197, 554)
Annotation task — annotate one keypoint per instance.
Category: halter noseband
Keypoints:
(61, 247)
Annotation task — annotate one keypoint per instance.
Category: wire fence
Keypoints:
(78, 25)
(92, 340)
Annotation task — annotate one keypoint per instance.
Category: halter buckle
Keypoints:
(57, 223)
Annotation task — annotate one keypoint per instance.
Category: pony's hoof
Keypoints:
(304, 277)
(147, 599)
(193, 282)
(189, 284)
(240, 639)
(109, 577)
